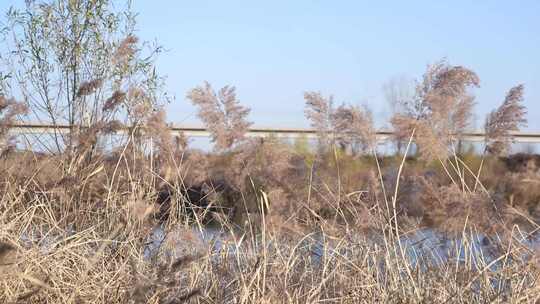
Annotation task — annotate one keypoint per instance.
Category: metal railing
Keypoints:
(194, 131)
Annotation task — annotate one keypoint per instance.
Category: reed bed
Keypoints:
(145, 218)
(367, 258)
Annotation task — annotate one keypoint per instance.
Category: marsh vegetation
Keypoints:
(88, 216)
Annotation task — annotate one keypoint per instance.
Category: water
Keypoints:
(424, 246)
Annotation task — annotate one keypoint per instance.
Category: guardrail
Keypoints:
(194, 131)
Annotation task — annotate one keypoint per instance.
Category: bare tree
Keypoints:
(73, 61)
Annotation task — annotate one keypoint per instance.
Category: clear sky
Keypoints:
(273, 51)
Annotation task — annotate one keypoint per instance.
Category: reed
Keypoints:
(146, 218)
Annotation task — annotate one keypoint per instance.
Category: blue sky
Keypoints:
(273, 51)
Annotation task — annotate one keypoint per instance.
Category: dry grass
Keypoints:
(85, 238)
(105, 263)
(90, 223)
(294, 227)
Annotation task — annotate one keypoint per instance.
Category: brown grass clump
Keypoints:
(163, 283)
(197, 163)
(519, 188)
(271, 167)
(106, 264)
(87, 237)
(452, 210)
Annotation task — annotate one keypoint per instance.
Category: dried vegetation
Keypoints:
(128, 221)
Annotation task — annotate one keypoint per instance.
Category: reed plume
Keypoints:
(125, 50)
(319, 110)
(441, 109)
(354, 126)
(89, 87)
(222, 114)
(159, 131)
(114, 101)
(346, 125)
(507, 118)
(113, 126)
(9, 110)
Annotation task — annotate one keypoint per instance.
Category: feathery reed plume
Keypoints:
(125, 50)
(113, 126)
(402, 125)
(89, 87)
(198, 165)
(441, 109)
(138, 102)
(347, 125)
(507, 118)
(319, 110)
(9, 110)
(87, 138)
(112, 102)
(222, 114)
(268, 161)
(136, 95)
(354, 126)
(157, 128)
(182, 141)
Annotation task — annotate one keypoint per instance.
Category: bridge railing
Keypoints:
(196, 131)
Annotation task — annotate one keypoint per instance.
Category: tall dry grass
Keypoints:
(124, 223)
(333, 226)
(106, 263)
